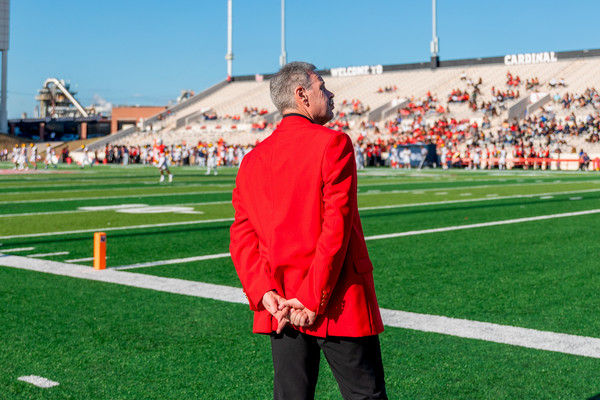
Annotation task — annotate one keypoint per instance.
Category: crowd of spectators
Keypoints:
(427, 120)
(178, 154)
(590, 97)
(387, 89)
(512, 80)
(254, 111)
(532, 83)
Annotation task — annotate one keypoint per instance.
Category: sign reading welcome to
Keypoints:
(530, 58)
(355, 71)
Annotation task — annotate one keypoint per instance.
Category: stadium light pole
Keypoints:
(229, 55)
(435, 44)
(283, 57)
(4, 34)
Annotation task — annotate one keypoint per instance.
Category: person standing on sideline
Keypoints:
(85, 160)
(162, 162)
(212, 161)
(299, 250)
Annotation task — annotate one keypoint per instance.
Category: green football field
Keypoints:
(488, 283)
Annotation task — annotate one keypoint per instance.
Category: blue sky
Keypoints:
(145, 52)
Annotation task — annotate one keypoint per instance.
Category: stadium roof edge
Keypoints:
(466, 62)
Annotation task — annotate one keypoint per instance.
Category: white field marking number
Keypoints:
(39, 381)
(143, 209)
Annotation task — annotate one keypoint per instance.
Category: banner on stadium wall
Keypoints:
(416, 155)
(530, 58)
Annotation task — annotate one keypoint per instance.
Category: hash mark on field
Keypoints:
(440, 193)
(16, 249)
(38, 381)
(575, 198)
(546, 197)
(505, 334)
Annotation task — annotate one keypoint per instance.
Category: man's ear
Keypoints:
(301, 95)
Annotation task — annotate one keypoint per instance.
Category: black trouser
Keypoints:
(355, 362)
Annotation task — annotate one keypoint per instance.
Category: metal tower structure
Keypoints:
(58, 101)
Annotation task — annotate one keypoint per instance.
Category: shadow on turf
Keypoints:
(596, 397)
(467, 206)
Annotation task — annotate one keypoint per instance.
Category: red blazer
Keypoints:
(297, 230)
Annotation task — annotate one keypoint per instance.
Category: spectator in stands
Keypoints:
(584, 161)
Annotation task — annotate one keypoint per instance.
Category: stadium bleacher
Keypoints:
(188, 124)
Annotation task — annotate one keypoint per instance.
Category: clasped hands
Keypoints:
(286, 311)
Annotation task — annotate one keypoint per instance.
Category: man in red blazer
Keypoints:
(299, 250)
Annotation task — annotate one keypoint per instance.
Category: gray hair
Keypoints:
(285, 81)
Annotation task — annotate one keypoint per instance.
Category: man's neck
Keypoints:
(295, 113)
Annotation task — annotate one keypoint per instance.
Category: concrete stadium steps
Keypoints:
(230, 100)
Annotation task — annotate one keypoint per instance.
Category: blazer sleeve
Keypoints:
(252, 267)
(339, 206)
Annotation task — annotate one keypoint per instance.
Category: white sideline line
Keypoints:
(38, 381)
(170, 285)
(119, 228)
(483, 224)
(174, 261)
(523, 337)
(530, 338)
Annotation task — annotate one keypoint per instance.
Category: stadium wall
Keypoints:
(560, 55)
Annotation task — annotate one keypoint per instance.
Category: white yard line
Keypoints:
(208, 203)
(120, 228)
(469, 187)
(43, 200)
(174, 261)
(505, 334)
(58, 253)
(489, 197)
(481, 225)
(543, 196)
(127, 196)
(376, 237)
(39, 381)
(84, 259)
